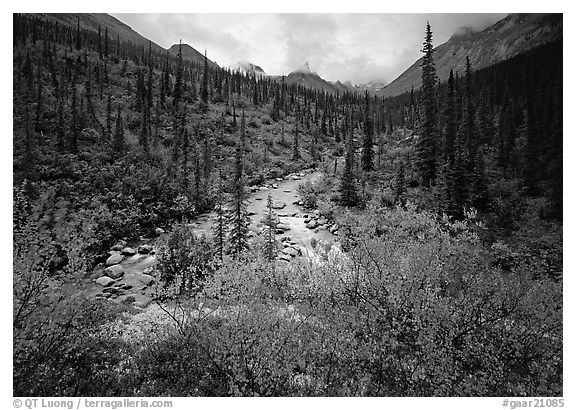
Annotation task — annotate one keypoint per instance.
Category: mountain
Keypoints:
(513, 35)
(372, 87)
(91, 22)
(191, 54)
(247, 68)
(304, 76)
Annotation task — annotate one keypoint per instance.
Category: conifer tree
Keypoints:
(426, 147)
(367, 158)
(119, 145)
(238, 219)
(204, 88)
(295, 147)
(399, 183)
(75, 124)
(178, 82)
(109, 118)
(450, 120)
(347, 186)
(60, 135)
(106, 42)
(270, 248)
(219, 227)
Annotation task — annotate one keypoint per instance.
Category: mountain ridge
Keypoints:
(513, 35)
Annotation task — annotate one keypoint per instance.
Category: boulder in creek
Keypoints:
(312, 224)
(145, 279)
(278, 205)
(142, 301)
(290, 251)
(105, 281)
(128, 251)
(145, 249)
(114, 271)
(128, 300)
(322, 221)
(283, 227)
(114, 259)
(118, 247)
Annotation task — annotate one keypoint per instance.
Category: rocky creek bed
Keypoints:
(128, 275)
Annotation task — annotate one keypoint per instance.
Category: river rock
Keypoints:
(118, 247)
(284, 227)
(105, 281)
(110, 290)
(290, 251)
(128, 251)
(145, 249)
(159, 231)
(322, 221)
(278, 205)
(114, 271)
(142, 301)
(114, 259)
(128, 299)
(145, 279)
(312, 224)
(275, 186)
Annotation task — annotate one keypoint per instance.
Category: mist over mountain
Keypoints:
(506, 38)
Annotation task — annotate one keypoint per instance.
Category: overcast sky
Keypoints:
(355, 47)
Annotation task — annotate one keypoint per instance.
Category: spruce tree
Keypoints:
(347, 186)
(295, 147)
(75, 124)
(270, 248)
(204, 88)
(400, 183)
(119, 145)
(178, 82)
(238, 220)
(426, 146)
(219, 227)
(367, 158)
(109, 118)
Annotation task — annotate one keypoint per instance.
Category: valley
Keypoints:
(182, 229)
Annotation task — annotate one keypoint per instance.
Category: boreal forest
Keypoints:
(182, 229)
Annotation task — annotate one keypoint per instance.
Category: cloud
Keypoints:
(355, 47)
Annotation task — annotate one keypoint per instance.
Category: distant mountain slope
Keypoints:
(508, 37)
(191, 54)
(248, 68)
(91, 22)
(304, 76)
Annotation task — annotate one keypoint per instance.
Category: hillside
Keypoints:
(513, 35)
(93, 21)
(191, 54)
(183, 230)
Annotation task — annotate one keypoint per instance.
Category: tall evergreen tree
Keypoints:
(204, 87)
(367, 158)
(75, 124)
(347, 186)
(119, 145)
(178, 82)
(270, 248)
(427, 143)
(219, 226)
(239, 220)
(295, 146)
